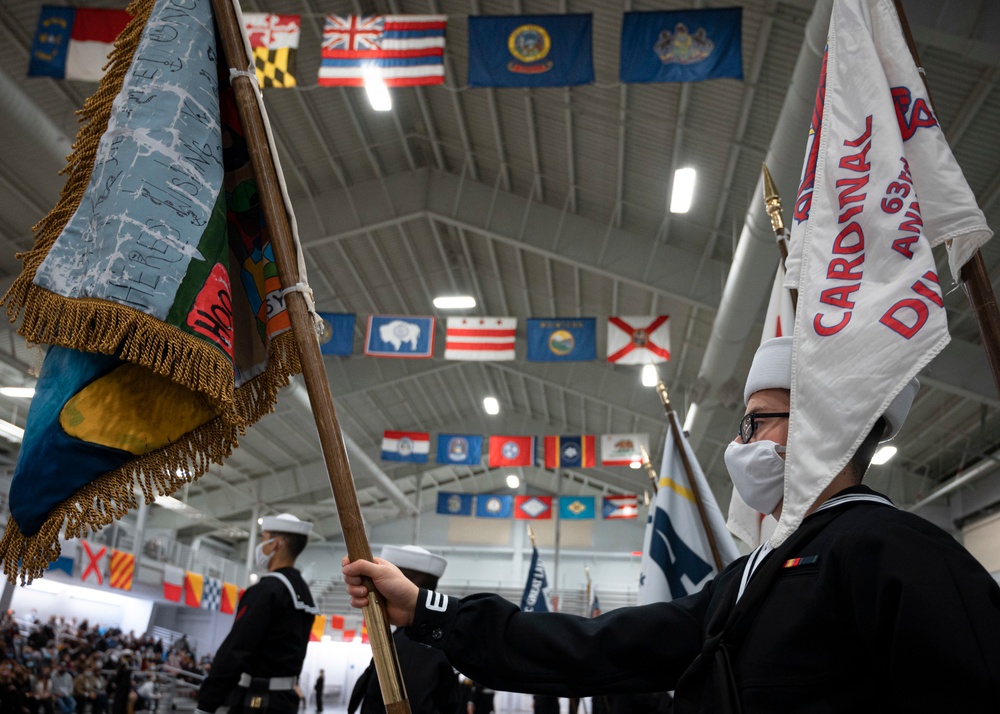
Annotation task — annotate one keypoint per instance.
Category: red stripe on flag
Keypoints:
(413, 435)
(479, 332)
(480, 346)
(412, 26)
(383, 54)
(98, 25)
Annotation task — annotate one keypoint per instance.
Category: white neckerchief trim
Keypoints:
(758, 556)
(299, 605)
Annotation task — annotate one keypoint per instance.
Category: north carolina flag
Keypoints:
(623, 449)
(639, 340)
(193, 585)
(533, 508)
(570, 452)
(93, 562)
(483, 339)
(512, 451)
(74, 43)
(230, 597)
(406, 446)
(319, 624)
(122, 570)
(173, 583)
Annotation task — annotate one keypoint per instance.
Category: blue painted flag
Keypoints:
(530, 51)
(340, 328)
(399, 336)
(576, 508)
(572, 339)
(490, 505)
(460, 449)
(681, 46)
(454, 504)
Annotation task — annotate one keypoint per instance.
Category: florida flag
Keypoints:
(480, 338)
(74, 42)
(406, 446)
(639, 340)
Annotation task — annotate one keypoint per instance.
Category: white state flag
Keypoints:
(641, 339)
(870, 313)
(677, 559)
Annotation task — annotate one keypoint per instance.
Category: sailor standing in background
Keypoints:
(257, 666)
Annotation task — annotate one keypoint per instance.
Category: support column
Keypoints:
(252, 543)
(140, 535)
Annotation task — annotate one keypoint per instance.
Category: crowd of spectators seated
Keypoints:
(65, 667)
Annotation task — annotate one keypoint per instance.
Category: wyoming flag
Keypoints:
(193, 585)
(274, 40)
(122, 569)
(230, 596)
(319, 625)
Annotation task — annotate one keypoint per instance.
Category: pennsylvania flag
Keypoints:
(570, 452)
(569, 339)
(681, 46)
(530, 51)
(274, 40)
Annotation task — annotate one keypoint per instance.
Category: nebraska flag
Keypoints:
(512, 451)
(880, 186)
(274, 40)
(122, 570)
(480, 338)
(74, 42)
(173, 583)
(639, 340)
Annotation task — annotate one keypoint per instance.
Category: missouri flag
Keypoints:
(274, 40)
(153, 283)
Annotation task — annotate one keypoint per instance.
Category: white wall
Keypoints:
(100, 606)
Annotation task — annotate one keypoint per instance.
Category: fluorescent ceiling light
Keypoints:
(513, 481)
(18, 392)
(649, 375)
(11, 432)
(683, 191)
(883, 454)
(378, 93)
(454, 302)
(635, 464)
(491, 405)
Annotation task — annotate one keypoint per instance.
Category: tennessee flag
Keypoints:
(229, 598)
(193, 586)
(122, 569)
(319, 624)
(512, 451)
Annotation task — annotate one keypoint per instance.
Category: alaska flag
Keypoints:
(338, 333)
(460, 449)
(682, 46)
(572, 339)
(530, 51)
(536, 596)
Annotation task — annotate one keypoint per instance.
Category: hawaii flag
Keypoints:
(880, 188)
(480, 338)
(639, 340)
(230, 596)
(274, 40)
(173, 583)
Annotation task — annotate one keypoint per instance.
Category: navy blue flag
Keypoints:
(571, 339)
(682, 46)
(530, 51)
(536, 597)
(454, 504)
(340, 328)
(460, 449)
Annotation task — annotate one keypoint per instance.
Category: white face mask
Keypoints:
(758, 473)
(263, 559)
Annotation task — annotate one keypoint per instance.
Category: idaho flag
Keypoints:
(683, 46)
(571, 339)
(530, 51)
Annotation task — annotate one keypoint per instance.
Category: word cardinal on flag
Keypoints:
(406, 446)
(401, 50)
(274, 40)
(480, 338)
(677, 558)
(639, 340)
(570, 452)
(140, 278)
(536, 596)
(880, 187)
(74, 42)
(511, 451)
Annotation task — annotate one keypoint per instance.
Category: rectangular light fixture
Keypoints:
(18, 392)
(883, 454)
(491, 405)
(649, 375)
(454, 302)
(11, 432)
(683, 191)
(378, 93)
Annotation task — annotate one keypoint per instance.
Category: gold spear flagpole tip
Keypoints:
(770, 190)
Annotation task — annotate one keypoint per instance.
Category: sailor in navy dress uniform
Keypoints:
(864, 608)
(257, 666)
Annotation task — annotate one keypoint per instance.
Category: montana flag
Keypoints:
(74, 42)
(681, 46)
(491, 505)
(338, 333)
(454, 504)
(571, 452)
(619, 507)
(194, 585)
(562, 339)
(406, 446)
(623, 449)
(530, 50)
(92, 562)
(151, 261)
(536, 596)
(464, 449)
(677, 558)
(402, 50)
(274, 40)
(533, 507)
(173, 583)
(576, 508)
(511, 451)
(211, 593)
(483, 339)
(318, 626)
(639, 340)
(122, 570)
(884, 187)
(230, 598)
(399, 336)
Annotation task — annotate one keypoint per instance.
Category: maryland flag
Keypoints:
(154, 283)
(274, 40)
(230, 598)
(319, 625)
(122, 570)
(193, 586)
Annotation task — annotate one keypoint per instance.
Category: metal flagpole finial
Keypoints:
(773, 203)
(661, 389)
(531, 536)
(649, 467)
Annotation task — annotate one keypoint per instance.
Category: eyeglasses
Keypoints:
(748, 424)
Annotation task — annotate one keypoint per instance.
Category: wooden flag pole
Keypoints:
(313, 370)
(974, 277)
(675, 428)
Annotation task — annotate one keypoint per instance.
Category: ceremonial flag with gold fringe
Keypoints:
(319, 624)
(154, 283)
(122, 570)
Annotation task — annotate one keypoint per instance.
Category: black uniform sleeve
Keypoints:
(252, 616)
(446, 699)
(631, 649)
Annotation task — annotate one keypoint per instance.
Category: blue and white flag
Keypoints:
(676, 556)
(682, 46)
(491, 505)
(400, 336)
(562, 339)
(454, 504)
(536, 597)
(338, 333)
(460, 449)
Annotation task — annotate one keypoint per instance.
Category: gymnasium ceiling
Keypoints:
(540, 203)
